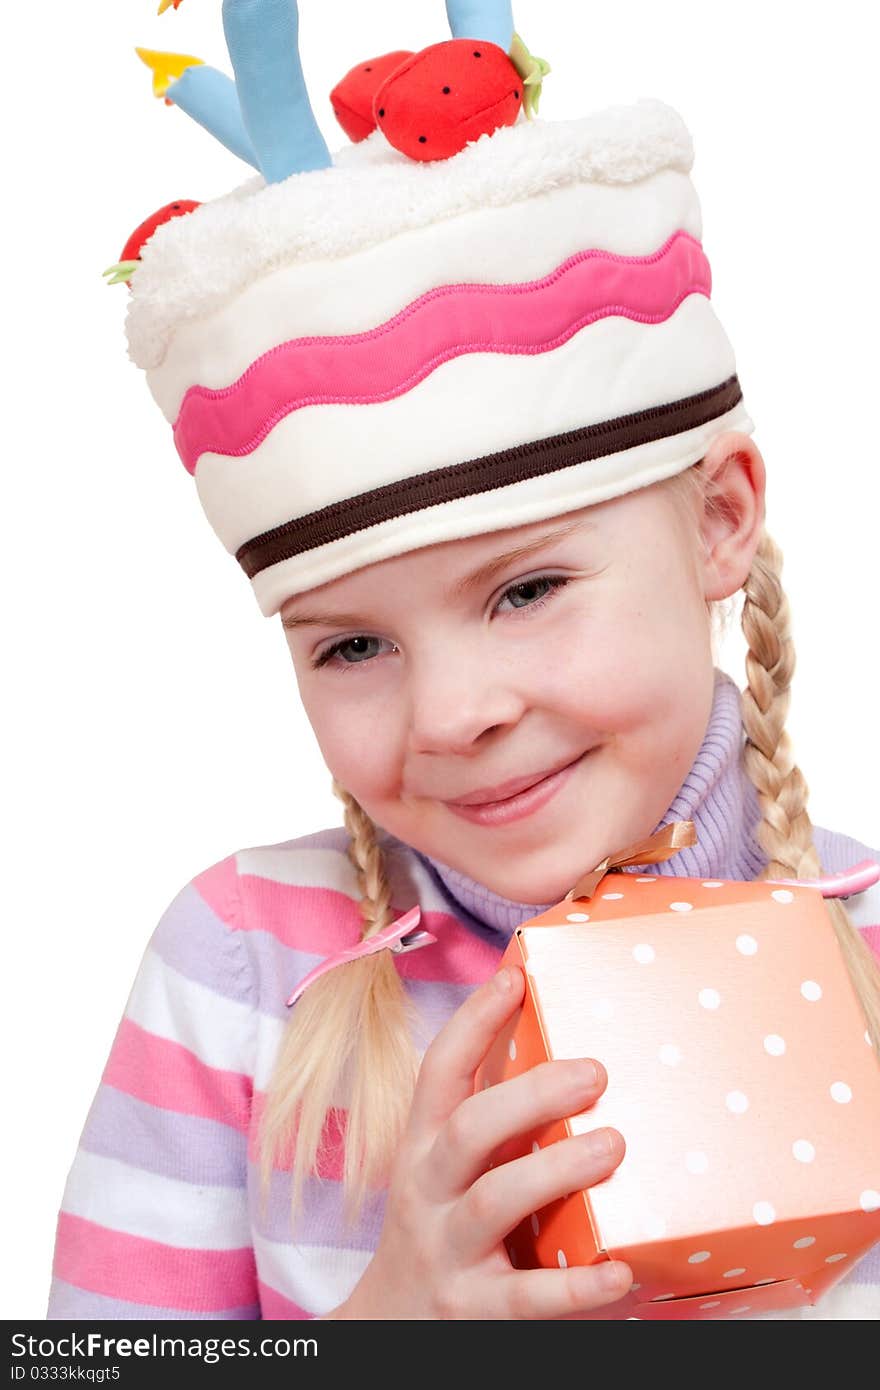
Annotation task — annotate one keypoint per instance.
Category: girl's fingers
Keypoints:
(448, 1068)
(485, 1120)
(556, 1293)
(503, 1197)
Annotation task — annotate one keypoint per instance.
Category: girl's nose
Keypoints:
(455, 702)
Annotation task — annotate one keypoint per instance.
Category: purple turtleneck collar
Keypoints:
(716, 795)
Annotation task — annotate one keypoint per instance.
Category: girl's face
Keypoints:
(462, 666)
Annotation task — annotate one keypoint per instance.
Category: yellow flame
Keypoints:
(165, 67)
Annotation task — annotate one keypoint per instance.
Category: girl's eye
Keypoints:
(526, 594)
(534, 594)
(351, 649)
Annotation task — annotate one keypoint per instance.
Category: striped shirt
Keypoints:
(160, 1216)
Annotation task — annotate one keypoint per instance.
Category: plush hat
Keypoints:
(470, 319)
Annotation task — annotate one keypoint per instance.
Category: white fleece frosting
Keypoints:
(195, 264)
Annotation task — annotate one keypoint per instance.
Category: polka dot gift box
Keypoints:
(740, 1074)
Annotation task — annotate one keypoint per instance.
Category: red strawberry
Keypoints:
(131, 251)
(352, 97)
(447, 95)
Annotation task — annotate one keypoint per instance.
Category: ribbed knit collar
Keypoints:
(716, 795)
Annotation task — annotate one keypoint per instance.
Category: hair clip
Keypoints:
(843, 885)
(400, 936)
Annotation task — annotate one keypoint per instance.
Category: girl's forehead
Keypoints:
(464, 562)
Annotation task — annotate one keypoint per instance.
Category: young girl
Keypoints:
(472, 428)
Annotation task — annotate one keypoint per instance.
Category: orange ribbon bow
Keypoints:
(661, 845)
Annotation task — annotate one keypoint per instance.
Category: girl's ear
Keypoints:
(733, 513)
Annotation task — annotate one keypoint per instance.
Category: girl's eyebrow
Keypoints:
(459, 590)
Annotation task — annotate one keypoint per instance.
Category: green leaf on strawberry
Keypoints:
(123, 270)
(532, 70)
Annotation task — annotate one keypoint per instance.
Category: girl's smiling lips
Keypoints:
(532, 794)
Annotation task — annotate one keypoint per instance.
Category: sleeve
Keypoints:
(154, 1218)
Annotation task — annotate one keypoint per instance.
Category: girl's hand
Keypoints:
(441, 1253)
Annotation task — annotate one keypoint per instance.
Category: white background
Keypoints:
(151, 715)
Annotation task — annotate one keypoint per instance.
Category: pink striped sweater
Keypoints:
(159, 1218)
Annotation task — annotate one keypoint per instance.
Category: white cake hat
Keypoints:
(383, 353)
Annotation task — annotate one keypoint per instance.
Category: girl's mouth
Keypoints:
(524, 803)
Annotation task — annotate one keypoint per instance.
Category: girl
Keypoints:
(472, 428)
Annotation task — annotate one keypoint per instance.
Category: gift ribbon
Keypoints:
(661, 845)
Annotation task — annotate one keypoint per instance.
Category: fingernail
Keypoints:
(610, 1276)
(504, 981)
(587, 1074)
(599, 1142)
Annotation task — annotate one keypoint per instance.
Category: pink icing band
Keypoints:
(447, 322)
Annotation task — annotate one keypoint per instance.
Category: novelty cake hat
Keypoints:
(469, 319)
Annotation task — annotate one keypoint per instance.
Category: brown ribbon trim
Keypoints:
(484, 475)
(661, 845)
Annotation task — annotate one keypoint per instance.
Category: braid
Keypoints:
(785, 832)
(366, 855)
(350, 1036)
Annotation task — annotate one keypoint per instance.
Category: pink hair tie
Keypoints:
(399, 937)
(853, 880)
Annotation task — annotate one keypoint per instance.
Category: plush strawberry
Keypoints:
(352, 97)
(131, 251)
(450, 93)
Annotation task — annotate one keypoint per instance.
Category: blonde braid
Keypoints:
(785, 832)
(349, 1039)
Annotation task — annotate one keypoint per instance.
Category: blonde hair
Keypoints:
(349, 1042)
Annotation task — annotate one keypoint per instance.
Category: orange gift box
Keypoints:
(740, 1074)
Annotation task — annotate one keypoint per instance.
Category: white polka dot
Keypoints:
(764, 1213)
(534, 1224)
(782, 895)
(713, 1303)
(511, 1049)
(744, 1309)
(810, 990)
(699, 1256)
(803, 1150)
(612, 896)
(833, 1259)
(577, 917)
(696, 1161)
(733, 1273)
(869, 1200)
(803, 1242)
(709, 998)
(681, 907)
(536, 1147)
(713, 883)
(655, 1227)
(602, 1008)
(774, 1044)
(736, 1102)
(561, 1260)
(771, 1280)
(644, 954)
(746, 945)
(662, 1297)
(670, 1055)
(646, 878)
(841, 1092)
